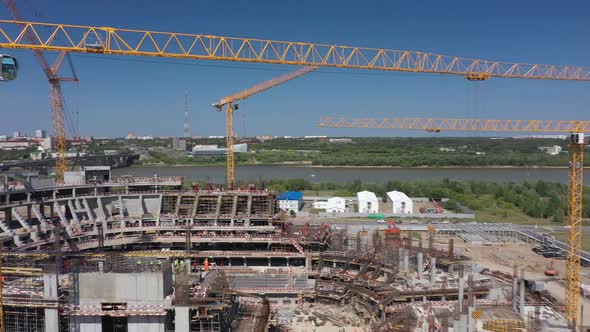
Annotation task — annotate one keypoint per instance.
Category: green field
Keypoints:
(562, 236)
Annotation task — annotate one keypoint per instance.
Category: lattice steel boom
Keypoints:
(109, 40)
(576, 170)
(437, 125)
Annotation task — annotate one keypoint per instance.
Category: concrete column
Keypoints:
(470, 296)
(460, 299)
(432, 270)
(514, 288)
(522, 288)
(181, 319)
(244, 258)
(229, 261)
(463, 323)
(50, 292)
(268, 261)
(420, 265)
(406, 261)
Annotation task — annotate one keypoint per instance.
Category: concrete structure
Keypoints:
(332, 205)
(214, 150)
(551, 150)
(400, 202)
(367, 202)
(40, 133)
(291, 201)
(178, 144)
(231, 259)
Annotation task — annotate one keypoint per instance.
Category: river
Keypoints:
(216, 174)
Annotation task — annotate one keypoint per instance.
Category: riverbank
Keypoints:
(309, 165)
(256, 173)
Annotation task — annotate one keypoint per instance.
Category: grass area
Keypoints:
(562, 236)
(508, 215)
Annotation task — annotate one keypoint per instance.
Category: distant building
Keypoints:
(291, 201)
(16, 134)
(38, 155)
(70, 154)
(340, 140)
(367, 202)
(551, 150)
(3, 137)
(214, 150)
(110, 152)
(15, 145)
(332, 205)
(315, 136)
(178, 144)
(265, 138)
(129, 135)
(40, 133)
(447, 149)
(216, 137)
(47, 143)
(400, 202)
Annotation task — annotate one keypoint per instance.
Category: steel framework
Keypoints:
(110, 40)
(576, 171)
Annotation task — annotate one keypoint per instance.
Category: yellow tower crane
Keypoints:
(55, 95)
(576, 129)
(230, 105)
(134, 42)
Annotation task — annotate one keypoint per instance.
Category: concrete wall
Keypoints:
(87, 323)
(152, 204)
(133, 205)
(144, 288)
(145, 324)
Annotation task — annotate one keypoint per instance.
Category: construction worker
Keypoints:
(138, 263)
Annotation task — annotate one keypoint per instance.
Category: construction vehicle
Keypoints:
(576, 129)
(550, 271)
(8, 68)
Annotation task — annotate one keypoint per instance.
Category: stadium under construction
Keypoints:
(141, 254)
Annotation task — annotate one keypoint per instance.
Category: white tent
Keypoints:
(333, 204)
(368, 202)
(400, 202)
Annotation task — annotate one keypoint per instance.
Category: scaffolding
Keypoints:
(24, 319)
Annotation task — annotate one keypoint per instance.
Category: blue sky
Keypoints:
(145, 96)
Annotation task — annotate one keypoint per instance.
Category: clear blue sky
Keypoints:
(145, 96)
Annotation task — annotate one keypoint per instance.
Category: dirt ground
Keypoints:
(326, 318)
(502, 257)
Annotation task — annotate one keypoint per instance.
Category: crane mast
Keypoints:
(55, 93)
(20, 34)
(577, 141)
